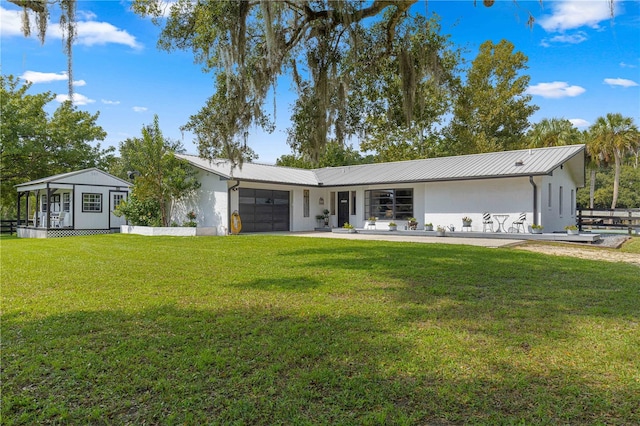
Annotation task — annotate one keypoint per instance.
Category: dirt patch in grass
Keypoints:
(608, 250)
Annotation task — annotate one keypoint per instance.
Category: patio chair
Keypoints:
(520, 222)
(61, 217)
(487, 222)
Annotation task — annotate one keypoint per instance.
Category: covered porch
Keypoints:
(69, 204)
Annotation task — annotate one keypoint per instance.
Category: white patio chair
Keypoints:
(520, 222)
(61, 218)
(487, 222)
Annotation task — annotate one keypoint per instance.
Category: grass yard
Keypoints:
(124, 329)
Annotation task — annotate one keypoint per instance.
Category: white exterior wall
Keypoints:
(446, 203)
(554, 214)
(209, 203)
(297, 221)
(91, 220)
(439, 203)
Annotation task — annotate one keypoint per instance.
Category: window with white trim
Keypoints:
(66, 202)
(91, 203)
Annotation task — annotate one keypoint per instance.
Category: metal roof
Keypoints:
(255, 172)
(524, 162)
(64, 178)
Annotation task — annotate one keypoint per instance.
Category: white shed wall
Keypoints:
(91, 220)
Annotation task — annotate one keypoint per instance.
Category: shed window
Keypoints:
(92, 203)
(560, 202)
(66, 201)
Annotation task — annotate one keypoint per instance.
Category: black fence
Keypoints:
(628, 219)
(8, 226)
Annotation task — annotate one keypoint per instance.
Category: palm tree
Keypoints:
(613, 136)
(595, 161)
(552, 132)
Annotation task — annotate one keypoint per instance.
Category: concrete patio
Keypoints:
(510, 237)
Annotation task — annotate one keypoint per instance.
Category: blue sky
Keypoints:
(583, 63)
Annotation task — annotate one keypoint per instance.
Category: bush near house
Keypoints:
(124, 329)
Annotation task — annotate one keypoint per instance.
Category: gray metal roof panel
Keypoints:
(255, 172)
(537, 161)
(65, 176)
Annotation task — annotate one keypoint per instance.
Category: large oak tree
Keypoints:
(34, 144)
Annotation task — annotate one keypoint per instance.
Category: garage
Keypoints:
(264, 210)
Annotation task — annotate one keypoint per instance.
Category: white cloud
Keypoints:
(555, 90)
(10, 22)
(572, 14)
(78, 99)
(620, 82)
(93, 33)
(139, 109)
(579, 122)
(625, 65)
(576, 38)
(108, 102)
(89, 31)
(36, 77)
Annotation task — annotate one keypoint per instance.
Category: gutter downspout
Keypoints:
(535, 200)
(231, 188)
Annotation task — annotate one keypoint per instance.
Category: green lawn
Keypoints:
(632, 246)
(123, 329)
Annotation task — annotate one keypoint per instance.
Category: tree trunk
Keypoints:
(616, 178)
(592, 187)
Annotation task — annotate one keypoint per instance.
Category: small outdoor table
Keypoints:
(501, 219)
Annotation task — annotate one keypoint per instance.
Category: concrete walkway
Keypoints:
(402, 237)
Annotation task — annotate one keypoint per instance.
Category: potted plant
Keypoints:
(466, 222)
(349, 227)
(441, 230)
(571, 229)
(536, 229)
(325, 216)
(393, 226)
(412, 223)
(191, 220)
(428, 226)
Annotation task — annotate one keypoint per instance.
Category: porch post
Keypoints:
(48, 206)
(18, 214)
(36, 217)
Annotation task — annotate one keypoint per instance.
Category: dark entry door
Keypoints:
(343, 208)
(264, 210)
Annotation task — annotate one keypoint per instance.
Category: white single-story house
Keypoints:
(541, 183)
(75, 203)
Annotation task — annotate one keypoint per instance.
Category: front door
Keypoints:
(115, 198)
(343, 208)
